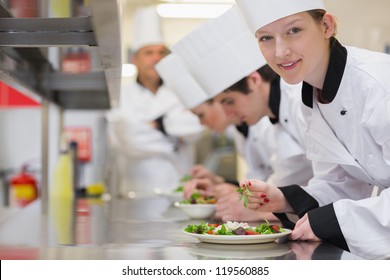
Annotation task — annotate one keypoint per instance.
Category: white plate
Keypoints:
(171, 194)
(244, 251)
(238, 239)
(197, 211)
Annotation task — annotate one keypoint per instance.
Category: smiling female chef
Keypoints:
(211, 114)
(346, 91)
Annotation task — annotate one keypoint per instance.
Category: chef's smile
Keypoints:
(289, 65)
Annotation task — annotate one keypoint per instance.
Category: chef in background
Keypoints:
(152, 134)
(211, 114)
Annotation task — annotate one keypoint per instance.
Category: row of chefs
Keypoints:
(313, 110)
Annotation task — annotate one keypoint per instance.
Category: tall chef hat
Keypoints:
(259, 13)
(176, 76)
(146, 28)
(220, 52)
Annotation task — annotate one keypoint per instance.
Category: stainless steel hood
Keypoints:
(24, 65)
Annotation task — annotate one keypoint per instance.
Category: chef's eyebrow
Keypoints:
(286, 26)
(223, 100)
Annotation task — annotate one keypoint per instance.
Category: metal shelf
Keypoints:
(25, 66)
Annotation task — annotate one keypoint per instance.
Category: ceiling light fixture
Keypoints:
(128, 70)
(192, 10)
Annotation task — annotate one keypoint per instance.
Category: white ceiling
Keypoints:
(361, 23)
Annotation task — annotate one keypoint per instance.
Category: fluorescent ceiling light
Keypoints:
(199, 1)
(128, 70)
(192, 10)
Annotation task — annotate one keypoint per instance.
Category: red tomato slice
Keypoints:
(213, 225)
(250, 232)
(275, 227)
(210, 232)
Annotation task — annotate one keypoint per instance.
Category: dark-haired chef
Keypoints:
(221, 53)
(211, 114)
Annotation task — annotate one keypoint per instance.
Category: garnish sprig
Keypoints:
(244, 194)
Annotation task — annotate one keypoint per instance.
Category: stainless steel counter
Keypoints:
(142, 229)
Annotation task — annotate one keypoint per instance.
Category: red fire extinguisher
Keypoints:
(23, 188)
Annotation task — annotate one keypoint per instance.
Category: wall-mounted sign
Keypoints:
(82, 135)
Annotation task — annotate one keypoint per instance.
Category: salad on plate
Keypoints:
(197, 198)
(183, 180)
(236, 233)
(175, 193)
(234, 228)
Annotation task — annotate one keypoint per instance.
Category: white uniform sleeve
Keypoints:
(331, 183)
(291, 170)
(379, 124)
(180, 122)
(258, 149)
(137, 139)
(366, 225)
(239, 141)
(289, 162)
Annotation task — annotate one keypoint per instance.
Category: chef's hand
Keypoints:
(265, 197)
(202, 185)
(303, 231)
(230, 208)
(153, 124)
(199, 171)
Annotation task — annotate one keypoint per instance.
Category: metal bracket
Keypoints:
(46, 32)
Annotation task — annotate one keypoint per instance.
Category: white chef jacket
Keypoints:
(348, 140)
(254, 146)
(275, 152)
(150, 158)
(290, 163)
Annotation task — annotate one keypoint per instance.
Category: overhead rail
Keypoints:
(24, 63)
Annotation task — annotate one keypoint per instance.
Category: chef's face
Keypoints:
(249, 108)
(297, 47)
(147, 57)
(212, 115)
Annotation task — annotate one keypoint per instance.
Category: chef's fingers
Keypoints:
(189, 188)
(222, 190)
(303, 230)
(199, 171)
(205, 184)
(301, 221)
(256, 206)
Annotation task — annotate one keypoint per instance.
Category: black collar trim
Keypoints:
(161, 82)
(274, 100)
(334, 75)
(243, 128)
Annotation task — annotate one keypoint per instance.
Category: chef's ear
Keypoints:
(329, 24)
(133, 58)
(254, 78)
